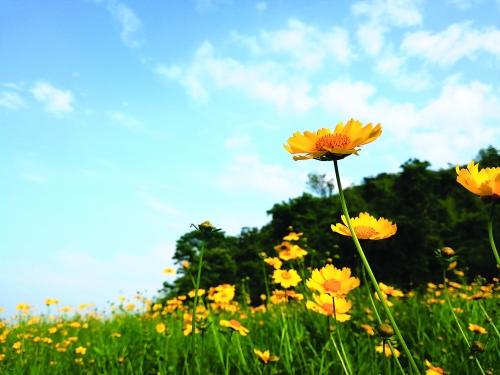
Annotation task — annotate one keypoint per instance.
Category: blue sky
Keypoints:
(123, 122)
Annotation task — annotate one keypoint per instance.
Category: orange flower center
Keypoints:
(328, 308)
(363, 231)
(235, 323)
(286, 275)
(332, 285)
(330, 141)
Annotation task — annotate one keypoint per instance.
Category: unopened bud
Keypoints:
(385, 331)
(477, 346)
(447, 252)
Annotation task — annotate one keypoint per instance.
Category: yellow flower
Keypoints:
(389, 290)
(433, 370)
(200, 293)
(333, 281)
(484, 182)
(160, 328)
(283, 246)
(295, 252)
(368, 329)
(235, 325)
(169, 270)
(17, 345)
(388, 352)
(286, 278)
(130, 306)
(476, 328)
(326, 146)
(293, 236)
(75, 324)
(367, 227)
(274, 262)
(185, 265)
(80, 350)
(50, 301)
(324, 306)
(265, 357)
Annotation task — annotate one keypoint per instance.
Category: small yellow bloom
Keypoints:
(286, 278)
(265, 357)
(295, 252)
(285, 245)
(160, 328)
(292, 236)
(485, 182)
(75, 324)
(388, 353)
(389, 290)
(366, 227)
(52, 329)
(433, 370)
(130, 306)
(235, 325)
(333, 281)
(116, 334)
(81, 350)
(51, 301)
(169, 270)
(17, 345)
(476, 328)
(200, 293)
(368, 329)
(274, 262)
(324, 306)
(185, 265)
(325, 145)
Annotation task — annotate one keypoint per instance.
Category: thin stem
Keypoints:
(335, 322)
(193, 323)
(490, 235)
(338, 353)
(370, 273)
(489, 319)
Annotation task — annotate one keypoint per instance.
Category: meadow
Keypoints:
(315, 316)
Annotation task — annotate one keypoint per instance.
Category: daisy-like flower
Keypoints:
(235, 325)
(169, 270)
(476, 328)
(286, 278)
(50, 301)
(387, 349)
(368, 329)
(265, 357)
(80, 350)
(433, 370)
(160, 328)
(285, 245)
(325, 145)
(324, 306)
(193, 292)
(333, 281)
(484, 182)
(293, 236)
(367, 227)
(389, 290)
(274, 262)
(295, 252)
(222, 293)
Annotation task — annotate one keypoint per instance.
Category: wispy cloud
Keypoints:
(11, 100)
(158, 205)
(34, 178)
(55, 100)
(124, 120)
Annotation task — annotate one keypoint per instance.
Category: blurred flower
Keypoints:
(295, 252)
(235, 325)
(160, 328)
(433, 370)
(185, 265)
(366, 227)
(388, 353)
(324, 145)
(286, 278)
(476, 328)
(283, 246)
(389, 290)
(222, 293)
(80, 350)
(324, 306)
(274, 262)
(169, 270)
(292, 236)
(50, 301)
(116, 334)
(452, 265)
(130, 306)
(484, 182)
(333, 281)
(368, 329)
(200, 293)
(265, 357)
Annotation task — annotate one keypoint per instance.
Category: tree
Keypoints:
(319, 185)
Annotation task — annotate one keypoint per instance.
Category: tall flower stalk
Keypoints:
(370, 273)
(490, 234)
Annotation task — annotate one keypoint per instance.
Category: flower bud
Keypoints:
(447, 252)
(385, 331)
(477, 346)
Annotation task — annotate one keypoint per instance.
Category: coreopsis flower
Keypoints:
(368, 329)
(476, 328)
(50, 301)
(285, 245)
(366, 227)
(274, 262)
(185, 264)
(286, 278)
(433, 370)
(325, 145)
(295, 252)
(381, 348)
(265, 357)
(292, 236)
(81, 350)
(222, 293)
(485, 182)
(235, 325)
(324, 306)
(389, 290)
(193, 292)
(169, 270)
(160, 328)
(333, 281)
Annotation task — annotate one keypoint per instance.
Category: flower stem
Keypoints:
(370, 273)
(193, 326)
(340, 338)
(490, 235)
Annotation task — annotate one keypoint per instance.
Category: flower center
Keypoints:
(330, 141)
(328, 308)
(364, 232)
(235, 323)
(332, 285)
(286, 275)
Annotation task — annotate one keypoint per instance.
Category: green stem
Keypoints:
(370, 273)
(490, 235)
(489, 320)
(338, 353)
(193, 326)
(340, 338)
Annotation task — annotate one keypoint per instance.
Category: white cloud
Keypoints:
(237, 141)
(464, 4)
(394, 67)
(452, 44)
(382, 15)
(55, 100)
(125, 120)
(260, 177)
(11, 100)
(260, 6)
(129, 21)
